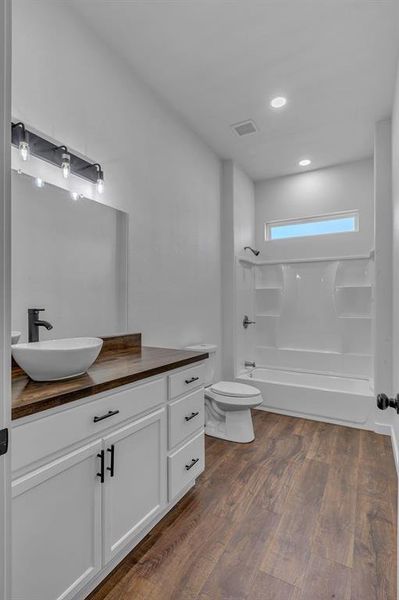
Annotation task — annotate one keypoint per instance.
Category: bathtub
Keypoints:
(343, 400)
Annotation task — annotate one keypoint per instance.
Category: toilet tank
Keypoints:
(210, 363)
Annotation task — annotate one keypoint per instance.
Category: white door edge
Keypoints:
(5, 290)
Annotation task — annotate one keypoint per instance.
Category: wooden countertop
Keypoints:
(118, 364)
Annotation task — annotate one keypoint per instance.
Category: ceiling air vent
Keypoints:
(244, 128)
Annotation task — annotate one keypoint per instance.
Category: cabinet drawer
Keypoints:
(185, 381)
(186, 464)
(186, 416)
(34, 441)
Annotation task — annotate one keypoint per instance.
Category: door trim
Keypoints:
(5, 291)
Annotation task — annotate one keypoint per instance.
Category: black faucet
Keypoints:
(35, 323)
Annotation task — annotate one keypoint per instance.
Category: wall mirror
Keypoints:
(69, 256)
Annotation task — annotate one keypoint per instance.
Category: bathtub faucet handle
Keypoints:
(247, 322)
(249, 363)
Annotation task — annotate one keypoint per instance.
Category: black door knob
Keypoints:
(384, 402)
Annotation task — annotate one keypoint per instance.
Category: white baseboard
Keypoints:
(385, 429)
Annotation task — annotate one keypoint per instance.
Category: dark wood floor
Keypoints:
(306, 512)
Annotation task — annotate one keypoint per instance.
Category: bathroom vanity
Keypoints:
(98, 460)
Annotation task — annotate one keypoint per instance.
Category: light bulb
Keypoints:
(100, 185)
(305, 162)
(74, 195)
(66, 165)
(39, 182)
(24, 149)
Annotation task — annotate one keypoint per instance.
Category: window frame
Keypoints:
(268, 226)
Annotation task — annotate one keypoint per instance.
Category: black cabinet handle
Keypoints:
(101, 456)
(111, 467)
(110, 413)
(193, 414)
(191, 380)
(192, 463)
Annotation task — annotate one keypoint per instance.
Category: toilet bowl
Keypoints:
(228, 411)
(227, 403)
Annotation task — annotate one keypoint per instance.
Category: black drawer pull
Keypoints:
(191, 380)
(110, 413)
(102, 459)
(111, 467)
(192, 463)
(193, 414)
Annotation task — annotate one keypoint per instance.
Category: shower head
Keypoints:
(256, 252)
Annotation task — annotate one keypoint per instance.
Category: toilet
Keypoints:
(227, 403)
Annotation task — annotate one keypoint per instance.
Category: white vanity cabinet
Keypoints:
(135, 480)
(56, 527)
(92, 478)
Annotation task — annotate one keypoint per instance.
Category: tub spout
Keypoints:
(249, 363)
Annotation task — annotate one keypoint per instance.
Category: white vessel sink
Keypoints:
(57, 359)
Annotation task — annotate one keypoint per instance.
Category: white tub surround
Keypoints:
(313, 336)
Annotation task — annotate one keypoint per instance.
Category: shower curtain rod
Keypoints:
(255, 262)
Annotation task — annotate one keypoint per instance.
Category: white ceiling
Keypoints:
(218, 62)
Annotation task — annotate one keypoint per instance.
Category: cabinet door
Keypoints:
(56, 527)
(135, 482)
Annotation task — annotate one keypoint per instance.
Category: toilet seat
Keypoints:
(234, 389)
(230, 395)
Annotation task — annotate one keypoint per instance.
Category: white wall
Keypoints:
(339, 188)
(238, 230)
(67, 84)
(68, 257)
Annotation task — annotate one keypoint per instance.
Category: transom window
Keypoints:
(345, 222)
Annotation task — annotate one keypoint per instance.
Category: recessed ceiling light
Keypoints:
(305, 162)
(278, 102)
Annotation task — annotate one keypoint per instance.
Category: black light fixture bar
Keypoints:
(52, 153)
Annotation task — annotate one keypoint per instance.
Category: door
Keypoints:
(5, 289)
(56, 526)
(135, 483)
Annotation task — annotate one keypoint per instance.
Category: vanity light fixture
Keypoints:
(24, 150)
(305, 162)
(31, 143)
(278, 102)
(23, 144)
(100, 178)
(65, 160)
(66, 165)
